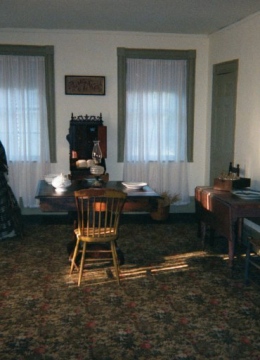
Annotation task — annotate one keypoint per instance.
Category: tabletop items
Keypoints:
(61, 183)
(51, 200)
(134, 185)
(247, 194)
(49, 178)
(227, 181)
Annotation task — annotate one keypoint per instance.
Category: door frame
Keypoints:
(223, 68)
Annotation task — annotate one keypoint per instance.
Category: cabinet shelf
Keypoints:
(81, 137)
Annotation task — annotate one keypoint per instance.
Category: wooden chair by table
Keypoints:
(252, 256)
(99, 213)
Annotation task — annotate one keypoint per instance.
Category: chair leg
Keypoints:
(115, 261)
(82, 261)
(75, 253)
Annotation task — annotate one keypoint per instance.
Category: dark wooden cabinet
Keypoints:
(81, 137)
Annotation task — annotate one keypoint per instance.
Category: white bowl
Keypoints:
(97, 170)
(48, 178)
(61, 182)
(134, 185)
(84, 163)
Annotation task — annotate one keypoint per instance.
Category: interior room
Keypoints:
(94, 52)
(200, 305)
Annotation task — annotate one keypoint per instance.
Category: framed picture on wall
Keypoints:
(84, 85)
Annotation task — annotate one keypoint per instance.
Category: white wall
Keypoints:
(241, 41)
(95, 53)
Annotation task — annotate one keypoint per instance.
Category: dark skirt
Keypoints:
(10, 214)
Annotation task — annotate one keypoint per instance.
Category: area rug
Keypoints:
(175, 302)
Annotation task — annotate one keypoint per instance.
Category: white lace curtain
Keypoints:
(24, 129)
(156, 125)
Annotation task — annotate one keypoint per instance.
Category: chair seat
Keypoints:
(96, 234)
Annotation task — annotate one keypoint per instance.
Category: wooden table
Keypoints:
(224, 213)
(52, 201)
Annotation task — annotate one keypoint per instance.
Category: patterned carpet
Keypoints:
(175, 301)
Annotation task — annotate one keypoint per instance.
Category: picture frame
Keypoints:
(84, 85)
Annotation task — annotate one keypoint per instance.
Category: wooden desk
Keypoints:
(224, 213)
(50, 200)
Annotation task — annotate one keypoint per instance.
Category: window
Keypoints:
(184, 62)
(27, 116)
(46, 53)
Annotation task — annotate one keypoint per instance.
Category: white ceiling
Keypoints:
(159, 16)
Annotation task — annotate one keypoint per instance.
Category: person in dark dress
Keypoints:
(10, 214)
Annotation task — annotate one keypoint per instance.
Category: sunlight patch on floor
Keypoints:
(105, 275)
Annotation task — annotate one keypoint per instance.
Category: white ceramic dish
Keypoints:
(61, 189)
(48, 178)
(60, 183)
(134, 185)
(247, 194)
(84, 163)
(96, 170)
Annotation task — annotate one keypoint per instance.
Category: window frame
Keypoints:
(122, 55)
(48, 53)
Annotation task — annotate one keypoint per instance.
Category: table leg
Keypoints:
(231, 249)
(231, 242)
(235, 240)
